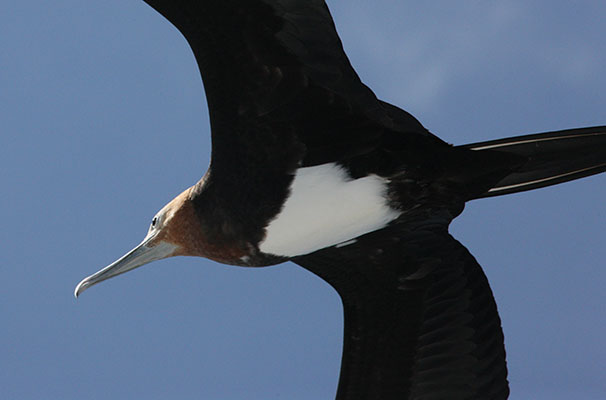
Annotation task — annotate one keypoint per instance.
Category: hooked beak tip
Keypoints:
(81, 287)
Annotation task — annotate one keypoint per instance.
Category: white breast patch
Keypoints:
(326, 207)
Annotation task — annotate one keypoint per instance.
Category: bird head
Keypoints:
(173, 231)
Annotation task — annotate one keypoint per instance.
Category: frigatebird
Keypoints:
(309, 166)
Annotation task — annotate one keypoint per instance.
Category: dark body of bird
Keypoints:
(289, 117)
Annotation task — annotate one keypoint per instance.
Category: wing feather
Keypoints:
(275, 72)
(420, 318)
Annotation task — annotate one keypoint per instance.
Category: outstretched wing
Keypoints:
(278, 81)
(420, 318)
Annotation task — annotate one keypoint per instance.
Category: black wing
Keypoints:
(420, 318)
(278, 82)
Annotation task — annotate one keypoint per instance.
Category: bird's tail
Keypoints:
(552, 157)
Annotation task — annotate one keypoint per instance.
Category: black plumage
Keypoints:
(420, 318)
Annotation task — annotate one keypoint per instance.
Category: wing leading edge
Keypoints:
(275, 71)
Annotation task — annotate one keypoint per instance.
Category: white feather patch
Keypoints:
(326, 207)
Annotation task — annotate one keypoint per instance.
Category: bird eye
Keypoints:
(154, 222)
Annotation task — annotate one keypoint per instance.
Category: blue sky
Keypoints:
(104, 120)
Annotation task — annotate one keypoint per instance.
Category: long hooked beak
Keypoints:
(140, 255)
